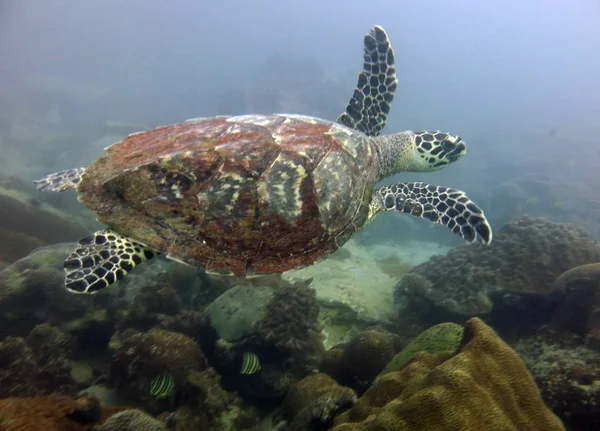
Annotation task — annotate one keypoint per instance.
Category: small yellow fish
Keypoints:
(250, 363)
(162, 386)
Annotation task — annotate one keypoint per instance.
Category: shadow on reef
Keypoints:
(236, 354)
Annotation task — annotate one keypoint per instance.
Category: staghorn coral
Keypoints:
(443, 337)
(131, 420)
(483, 386)
(313, 402)
(49, 413)
(138, 357)
(292, 314)
(520, 266)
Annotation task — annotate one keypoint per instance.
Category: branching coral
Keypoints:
(291, 315)
(524, 260)
(484, 386)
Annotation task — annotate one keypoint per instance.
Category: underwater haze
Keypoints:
(314, 347)
(517, 80)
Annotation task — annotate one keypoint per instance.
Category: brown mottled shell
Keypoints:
(245, 195)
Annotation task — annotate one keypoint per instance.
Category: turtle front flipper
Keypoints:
(101, 260)
(442, 205)
(372, 99)
(60, 181)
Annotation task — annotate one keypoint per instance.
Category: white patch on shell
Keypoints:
(347, 138)
(295, 117)
(202, 119)
(279, 188)
(112, 145)
(233, 129)
(257, 120)
(225, 191)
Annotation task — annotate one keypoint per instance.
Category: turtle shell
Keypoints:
(241, 195)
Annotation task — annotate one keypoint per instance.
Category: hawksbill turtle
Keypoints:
(260, 194)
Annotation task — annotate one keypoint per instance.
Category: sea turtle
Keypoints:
(260, 194)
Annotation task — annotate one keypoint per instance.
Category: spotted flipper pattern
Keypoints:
(442, 205)
(372, 99)
(60, 181)
(103, 259)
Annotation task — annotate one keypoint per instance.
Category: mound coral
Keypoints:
(483, 386)
(526, 257)
(579, 310)
(291, 315)
(444, 337)
(313, 402)
(358, 362)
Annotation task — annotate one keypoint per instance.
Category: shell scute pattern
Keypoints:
(235, 194)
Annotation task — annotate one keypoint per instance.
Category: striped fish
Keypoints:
(162, 386)
(250, 363)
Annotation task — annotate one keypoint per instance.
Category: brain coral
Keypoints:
(524, 260)
(483, 386)
(444, 337)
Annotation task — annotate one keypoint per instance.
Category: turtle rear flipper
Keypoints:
(103, 259)
(449, 207)
(60, 181)
(370, 104)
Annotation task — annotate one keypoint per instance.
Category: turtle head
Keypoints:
(434, 150)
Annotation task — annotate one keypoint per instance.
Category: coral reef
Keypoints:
(483, 386)
(567, 372)
(357, 363)
(131, 420)
(32, 292)
(50, 413)
(443, 337)
(314, 401)
(291, 315)
(507, 278)
(579, 309)
(138, 357)
(38, 370)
